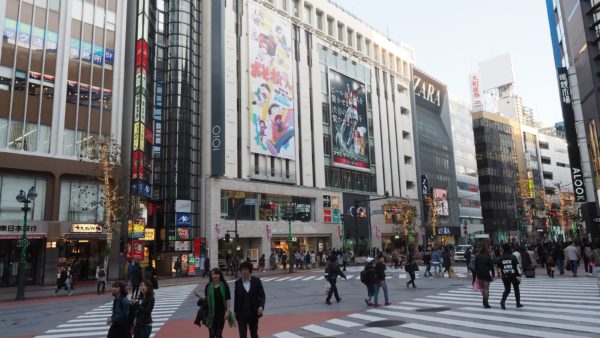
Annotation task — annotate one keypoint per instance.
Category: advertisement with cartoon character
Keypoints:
(349, 122)
(271, 84)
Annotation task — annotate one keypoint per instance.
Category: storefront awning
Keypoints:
(17, 236)
(85, 236)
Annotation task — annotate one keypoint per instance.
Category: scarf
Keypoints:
(211, 304)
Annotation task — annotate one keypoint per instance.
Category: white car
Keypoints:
(459, 254)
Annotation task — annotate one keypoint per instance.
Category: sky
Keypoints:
(451, 37)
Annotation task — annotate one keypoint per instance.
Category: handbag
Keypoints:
(477, 285)
(327, 287)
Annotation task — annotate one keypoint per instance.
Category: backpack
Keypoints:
(101, 273)
(364, 277)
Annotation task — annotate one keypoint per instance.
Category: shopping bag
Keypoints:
(327, 287)
(477, 285)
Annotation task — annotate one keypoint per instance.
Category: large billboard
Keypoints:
(440, 198)
(272, 125)
(348, 106)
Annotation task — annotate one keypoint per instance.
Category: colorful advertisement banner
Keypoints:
(440, 197)
(182, 234)
(348, 105)
(137, 229)
(272, 124)
(183, 245)
(183, 219)
(135, 250)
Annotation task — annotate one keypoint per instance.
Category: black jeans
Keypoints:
(98, 286)
(246, 321)
(333, 290)
(412, 279)
(515, 283)
(120, 330)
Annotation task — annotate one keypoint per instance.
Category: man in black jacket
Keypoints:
(331, 272)
(249, 301)
(511, 274)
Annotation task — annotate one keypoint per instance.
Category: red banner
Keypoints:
(141, 53)
(135, 250)
(197, 243)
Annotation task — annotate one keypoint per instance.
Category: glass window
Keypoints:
(81, 200)
(10, 185)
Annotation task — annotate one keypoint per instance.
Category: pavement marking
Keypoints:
(397, 307)
(282, 279)
(286, 334)
(350, 276)
(551, 325)
(343, 323)
(268, 279)
(322, 330)
(320, 278)
(472, 324)
(295, 278)
(389, 333)
(447, 331)
(310, 277)
(511, 300)
(529, 293)
(526, 313)
(366, 317)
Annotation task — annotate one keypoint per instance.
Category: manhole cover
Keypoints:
(385, 323)
(434, 309)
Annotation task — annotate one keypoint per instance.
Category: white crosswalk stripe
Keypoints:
(549, 311)
(93, 322)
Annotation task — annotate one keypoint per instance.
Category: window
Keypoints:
(544, 145)
(81, 200)
(410, 185)
(320, 20)
(405, 135)
(546, 160)
(340, 32)
(295, 8)
(10, 185)
(359, 42)
(326, 145)
(325, 110)
(407, 160)
(329, 26)
(281, 4)
(548, 175)
(350, 34)
(307, 14)
(562, 165)
(368, 47)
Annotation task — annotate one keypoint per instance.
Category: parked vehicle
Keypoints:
(459, 254)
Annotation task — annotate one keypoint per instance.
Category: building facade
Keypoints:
(60, 73)
(463, 140)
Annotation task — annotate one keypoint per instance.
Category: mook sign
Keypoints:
(429, 93)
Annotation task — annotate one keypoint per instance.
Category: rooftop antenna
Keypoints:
(388, 33)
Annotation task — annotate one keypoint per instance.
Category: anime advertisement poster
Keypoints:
(272, 126)
(349, 122)
(440, 197)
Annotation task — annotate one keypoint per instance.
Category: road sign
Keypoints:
(251, 201)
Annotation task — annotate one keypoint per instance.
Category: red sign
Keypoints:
(135, 250)
(150, 209)
(141, 53)
(137, 165)
(197, 243)
(327, 215)
(149, 136)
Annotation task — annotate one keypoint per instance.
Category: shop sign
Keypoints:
(141, 188)
(192, 265)
(377, 231)
(86, 228)
(148, 234)
(327, 215)
(326, 201)
(135, 250)
(17, 228)
(444, 231)
(183, 245)
(183, 206)
(197, 245)
(138, 136)
(183, 219)
(269, 231)
(137, 230)
(183, 234)
(337, 216)
(218, 231)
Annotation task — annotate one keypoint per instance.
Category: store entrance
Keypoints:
(84, 255)
(10, 256)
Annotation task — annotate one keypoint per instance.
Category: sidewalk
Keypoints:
(88, 287)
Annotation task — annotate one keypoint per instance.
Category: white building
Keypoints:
(315, 114)
(555, 161)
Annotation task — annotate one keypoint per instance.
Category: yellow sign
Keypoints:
(149, 234)
(86, 228)
(138, 136)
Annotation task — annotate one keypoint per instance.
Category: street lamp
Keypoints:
(289, 216)
(23, 242)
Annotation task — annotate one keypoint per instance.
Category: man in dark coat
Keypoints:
(249, 301)
(331, 273)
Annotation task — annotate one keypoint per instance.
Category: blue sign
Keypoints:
(141, 188)
(183, 219)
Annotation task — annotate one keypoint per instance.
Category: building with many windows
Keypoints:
(469, 202)
(61, 85)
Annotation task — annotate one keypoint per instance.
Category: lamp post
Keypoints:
(289, 216)
(23, 242)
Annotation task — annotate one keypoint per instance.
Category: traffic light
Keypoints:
(227, 237)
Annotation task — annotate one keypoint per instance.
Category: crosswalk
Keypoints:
(561, 308)
(93, 323)
(353, 273)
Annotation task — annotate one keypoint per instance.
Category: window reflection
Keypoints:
(270, 207)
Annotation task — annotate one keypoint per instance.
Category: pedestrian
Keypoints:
(471, 267)
(595, 260)
(559, 256)
(332, 271)
(511, 275)
(100, 279)
(206, 267)
(249, 301)
(261, 263)
(427, 263)
(150, 274)
(64, 281)
(527, 264)
(219, 301)
(484, 271)
(380, 281)
(129, 269)
(447, 263)
(586, 252)
(541, 253)
(136, 279)
(143, 306)
(313, 259)
(119, 319)
(572, 255)
(283, 260)
(272, 261)
(436, 258)
(369, 277)
(395, 260)
(411, 267)
(177, 267)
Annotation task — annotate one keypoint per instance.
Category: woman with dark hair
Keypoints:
(143, 306)
(119, 320)
(484, 269)
(218, 296)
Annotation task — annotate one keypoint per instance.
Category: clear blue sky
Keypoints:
(451, 36)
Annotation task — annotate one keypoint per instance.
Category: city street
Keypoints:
(560, 307)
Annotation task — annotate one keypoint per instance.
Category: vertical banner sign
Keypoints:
(272, 130)
(571, 134)
(440, 196)
(217, 126)
(348, 106)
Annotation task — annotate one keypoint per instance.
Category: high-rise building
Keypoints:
(61, 85)
(434, 146)
(575, 37)
(469, 202)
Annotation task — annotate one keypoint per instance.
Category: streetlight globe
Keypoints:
(32, 194)
(21, 196)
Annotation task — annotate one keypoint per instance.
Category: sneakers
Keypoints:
(388, 303)
(339, 300)
(368, 303)
(519, 305)
(327, 302)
